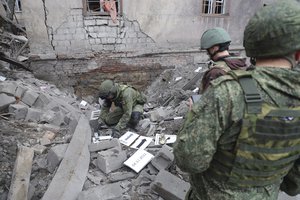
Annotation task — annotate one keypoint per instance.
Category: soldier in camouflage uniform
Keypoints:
(242, 140)
(216, 42)
(128, 106)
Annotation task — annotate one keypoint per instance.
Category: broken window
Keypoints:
(214, 7)
(18, 7)
(94, 7)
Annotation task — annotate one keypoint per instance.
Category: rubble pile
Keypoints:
(67, 157)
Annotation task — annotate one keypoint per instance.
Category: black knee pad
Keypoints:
(135, 118)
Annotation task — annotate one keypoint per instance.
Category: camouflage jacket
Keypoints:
(215, 119)
(127, 98)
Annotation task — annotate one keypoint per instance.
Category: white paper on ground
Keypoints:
(169, 139)
(139, 160)
(142, 142)
(128, 138)
(95, 114)
(83, 103)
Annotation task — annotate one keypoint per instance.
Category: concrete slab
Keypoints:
(105, 144)
(72, 171)
(19, 111)
(105, 192)
(5, 101)
(111, 160)
(170, 187)
(55, 155)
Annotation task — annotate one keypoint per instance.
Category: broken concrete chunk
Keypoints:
(8, 88)
(5, 101)
(120, 176)
(55, 155)
(29, 97)
(52, 117)
(47, 138)
(106, 192)
(20, 91)
(42, 101)
(33, 115)
(39, 149)
(110, 160)
(105, 144)
(19, 111)
(163, 159)
(170, 187)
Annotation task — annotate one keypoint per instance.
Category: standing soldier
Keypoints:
(216, 42)
(128, 106)
(242, 140)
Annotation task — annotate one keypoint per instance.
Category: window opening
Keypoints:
(94, 7)
(214, 7)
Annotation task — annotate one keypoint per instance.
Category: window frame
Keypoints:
(87, 12)
(211, 6)
(18, 6)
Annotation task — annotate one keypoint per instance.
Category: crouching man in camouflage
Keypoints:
(128, 106)
(242, 140)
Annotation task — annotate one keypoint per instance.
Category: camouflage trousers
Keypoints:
(207, 188)
(114, 116)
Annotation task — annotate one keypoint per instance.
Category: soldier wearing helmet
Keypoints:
(241, 141)
(216, 42)
(128, 106)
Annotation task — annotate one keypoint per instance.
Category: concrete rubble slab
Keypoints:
(21, 174)
(55, 156)
(105, 192)
(39, 149)
(29, 97)
(72, 171)
(5, 101)
(120, 176)
(19, 111)
(111, 160)
(170, 187)
(164, 158)
(20, 91)
(42, 101)
(8, 88)
(105, 144)
(33, 115)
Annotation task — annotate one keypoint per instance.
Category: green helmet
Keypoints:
(274, 30)
(106, 88)
(214, 36)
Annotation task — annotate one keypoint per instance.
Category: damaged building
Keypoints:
(82, 44)
(51, 147)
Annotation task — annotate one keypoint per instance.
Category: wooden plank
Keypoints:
(21, 174)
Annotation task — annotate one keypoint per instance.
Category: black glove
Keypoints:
(115, 133)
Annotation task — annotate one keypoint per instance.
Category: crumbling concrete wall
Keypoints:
(146, 26)
(70, 48)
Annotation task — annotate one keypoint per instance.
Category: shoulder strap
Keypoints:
(252, 96)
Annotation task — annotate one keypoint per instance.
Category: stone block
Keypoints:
(164, 158)
(33, 115)
(8, 88)
(55, 156)
(105, 144)
(29, 97)
(170, 187)
(39, 149)
(105, 192)
(19, 111)
(5, 101)
(20, 91)
(52, 117)
(42, 101)
(110, 160)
